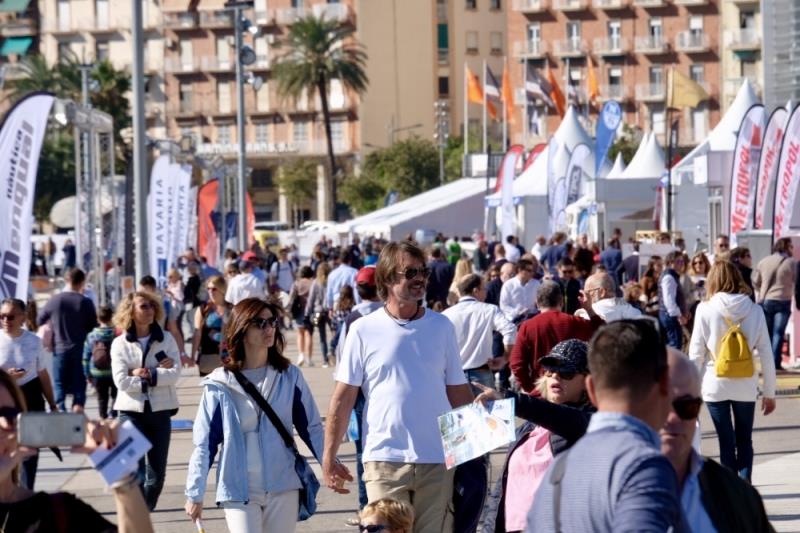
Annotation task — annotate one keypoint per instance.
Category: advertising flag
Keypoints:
(745, 170)
(505, 180)
(768, 167)
(492, 88)
(555, 93)
(592, 87)
(160, 207)
(507, 95)
(610, 119)
(183, 210)
(21, 135)
(786, 205)
(579, 167)
(207, 238)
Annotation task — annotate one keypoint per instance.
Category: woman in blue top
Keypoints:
(209, 321)
(256, 481)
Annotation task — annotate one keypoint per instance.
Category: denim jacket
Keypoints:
(217, 426)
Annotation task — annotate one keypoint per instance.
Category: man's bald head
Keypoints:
(507, 271)
(601, 284)
(684, 378)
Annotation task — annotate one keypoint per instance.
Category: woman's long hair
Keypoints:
(13, 389)
(241, 318)
(123, 318)
(724, 276)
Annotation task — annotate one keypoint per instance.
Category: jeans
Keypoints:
(736, 438)
(156, 426)
(322, 327)
(362, 488)
(484, 376)
(68, 377)
(777, 313)
(27, 474)
(105, 390)
(672, 329)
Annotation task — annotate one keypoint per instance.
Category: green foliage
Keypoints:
(298, 180)
(454, 156)
(626, 143)
(55, 178)
(363, 194)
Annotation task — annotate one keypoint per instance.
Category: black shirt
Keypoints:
(72, 316)
(52, 513)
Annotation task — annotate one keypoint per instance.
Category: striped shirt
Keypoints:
(615, 480)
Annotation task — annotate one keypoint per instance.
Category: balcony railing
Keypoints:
(289, 15)
(178, 21)
(443, 55)
(441, 13)
(691, 3)
(570, 5)
(65, 27)
(732, 86)
(610, 4)
(216, 64)
(618, 92)
(177, 65)
(110, 24)
(650, 3)
(18, 27)
(216, 19)
(745, 39)
(611, 46)
(692, 41)
(651, 45)
(569, 48)
(336, 12)
(187, 108)
(530, 6)
(530, 49)
(650, 92)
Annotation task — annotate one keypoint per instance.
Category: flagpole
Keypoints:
(525, 119)
(484, 106)
(505, 107)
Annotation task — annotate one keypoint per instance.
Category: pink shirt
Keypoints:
(526, 470)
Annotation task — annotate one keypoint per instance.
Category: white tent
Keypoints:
(570, 133)
(618, 168)
(647, 162)
(454, 208)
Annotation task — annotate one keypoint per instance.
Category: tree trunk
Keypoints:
(326, 117)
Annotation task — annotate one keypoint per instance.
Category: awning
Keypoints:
(14, 6)
(16, 45)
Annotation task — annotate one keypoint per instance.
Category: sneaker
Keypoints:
(301, 359)
(310, 363)
(353, 521)
(325, 365)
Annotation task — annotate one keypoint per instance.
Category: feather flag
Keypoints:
(474, 90)
(556, 94)
(492, 88)
(536, 86)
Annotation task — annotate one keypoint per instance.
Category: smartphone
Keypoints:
(45, 430)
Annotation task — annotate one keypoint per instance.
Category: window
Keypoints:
(496, 42)
(534, 38)
(574, 35)
(656, 30)
(223, 51)
(444, 86)
(101, 12)
(64, 51)
(615, 76)
(187, 56)
(224, 96)
(656, 78)
(297, 3)
(64, 19)
(696, 25)
(441, 10)
(657, 119)
(224, 134)
(262, 98)
(101, 50)
(495, 5)
(697, 73)
(336, 95)
(261, 178)
(443, 42)
(699, 122)
(614, 34)
(300, 131)
(186, 91)
(337, 133)
(472, 4)
(472, 42)
(262, 52)
(747, 20)
(262, 132)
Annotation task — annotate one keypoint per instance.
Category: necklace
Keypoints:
(402, 322)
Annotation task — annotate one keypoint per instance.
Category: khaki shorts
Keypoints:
(427, 487)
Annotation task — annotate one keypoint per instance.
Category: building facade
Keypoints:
(741, 56)
(781, 27)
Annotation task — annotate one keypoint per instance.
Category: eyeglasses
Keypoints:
(412, 272)
(10, 415)
(687, 407)
(371, 528)
(264, 323)
(9, 316)
(212, 289)
(145, 307)
(566, 375)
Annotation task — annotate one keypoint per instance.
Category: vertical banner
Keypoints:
(505, 184)
(191, 235)
(183, 211)
(610, 119)
(768, 167)
(788, 178)
(744, 172)
(207, 239)
(159, 211)
(552, 179)
(557, 195)
(533, 154)
(579, 167)
(21, 136)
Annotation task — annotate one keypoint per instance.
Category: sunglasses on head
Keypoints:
(10, 415)
(371, 528)
(687, 407)
(264, 323)
(412, 272)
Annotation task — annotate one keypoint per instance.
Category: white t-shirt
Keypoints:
(23, 352)
(245, 285)
(283, 274)
(403, 371)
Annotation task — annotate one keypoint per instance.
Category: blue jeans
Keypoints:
(672, 329)
(362, 487)
(157, 427)
(777, 313)
(484, 376)
(735, 436)
(68, 377)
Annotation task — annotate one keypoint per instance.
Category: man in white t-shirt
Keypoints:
(245, 284)
(518, 295)
(281, 273)
(405, 359)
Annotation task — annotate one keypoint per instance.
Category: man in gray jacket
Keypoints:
(774, 280)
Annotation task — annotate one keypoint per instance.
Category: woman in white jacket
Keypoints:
(728, 302)
(146, 365)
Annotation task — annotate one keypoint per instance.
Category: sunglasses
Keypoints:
(264, 323)
(211, 289)
(411, 273)
(10, 415)
(687, 407)
(371, 528)
(145, 307)
(566, 375)
(10, 316)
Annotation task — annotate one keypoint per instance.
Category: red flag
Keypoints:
(556, 94)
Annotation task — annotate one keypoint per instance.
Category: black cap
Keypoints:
(569, 355)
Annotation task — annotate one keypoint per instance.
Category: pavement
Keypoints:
(776, 442)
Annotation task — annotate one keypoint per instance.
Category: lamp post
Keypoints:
(442, 114)
(139, 142)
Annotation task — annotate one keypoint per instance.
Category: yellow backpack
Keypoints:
(734, 358)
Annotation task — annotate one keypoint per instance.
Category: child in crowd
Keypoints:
(97, 361)
(387, 516)
(342, 308)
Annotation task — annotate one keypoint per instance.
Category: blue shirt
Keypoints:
(616, 480)
(697, 518)
(338, 278)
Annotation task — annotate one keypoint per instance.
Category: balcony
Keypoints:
(177, 65)
(289, 15)
(180, 21)
(611, 5)
(651, 3)
(744, 3)
(216, 19)
(650, 92)
(262, 63)
(340, 13)
(610, 47)
(692, 3)
(66, 27)
(530, 49)
(692, 42)
(569, 48)
(264, 18)
(651, 45)
(618, 92)
(570, 5)
(216, 64)
(530, 7)
(19, 27)
(441, 13)
(745, 40)
(188, 109)
(109, 25)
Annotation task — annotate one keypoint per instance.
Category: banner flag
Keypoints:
(533, 154)
(492, 89)
(556, 189)
(555, 93)
(592, 87)
(159, 224)
(768, 167)
(610, 119)
(745, 170)
(683, 92)
(507, 95)
(579, 167)
(536, 86)
(207, 238)
(183, 211)
(785, 206)
(21, 136)
(474, 90)
(505, 184)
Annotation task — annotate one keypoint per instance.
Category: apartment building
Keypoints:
(632, 44)
(741, 53)
(781, 52)
(19, 30)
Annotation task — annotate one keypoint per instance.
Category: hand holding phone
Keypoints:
(44, 430)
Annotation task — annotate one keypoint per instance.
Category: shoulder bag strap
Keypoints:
(250, 389)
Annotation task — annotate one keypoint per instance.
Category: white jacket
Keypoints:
(710, 327)
(126, 355)
(611, 309)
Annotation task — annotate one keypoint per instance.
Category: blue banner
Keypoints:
(610, 119)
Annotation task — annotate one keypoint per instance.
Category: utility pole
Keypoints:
(139, 143)
(87, 138)
(442, 114)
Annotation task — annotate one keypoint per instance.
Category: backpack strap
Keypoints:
(556, 478)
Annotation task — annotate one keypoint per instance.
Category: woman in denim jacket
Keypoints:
(256, 481)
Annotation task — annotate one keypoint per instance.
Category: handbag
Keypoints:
(310, 485)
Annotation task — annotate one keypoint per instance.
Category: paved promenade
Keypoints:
(776, 474)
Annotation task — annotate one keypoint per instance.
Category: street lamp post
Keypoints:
(442, 114)
(139, 142)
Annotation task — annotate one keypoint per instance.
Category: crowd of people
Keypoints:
(609, 362)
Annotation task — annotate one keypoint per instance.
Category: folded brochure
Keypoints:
(474, 430)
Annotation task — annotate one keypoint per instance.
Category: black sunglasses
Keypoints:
(371, 528)
(264, 323)
(687, 407)
(411, 273)
(566, 375)
(10, 415)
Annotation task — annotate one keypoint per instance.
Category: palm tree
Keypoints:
(316, 51)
